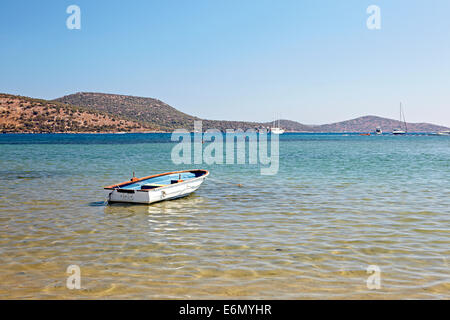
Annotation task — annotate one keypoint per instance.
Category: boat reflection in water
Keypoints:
(175, 207)
(164, 228)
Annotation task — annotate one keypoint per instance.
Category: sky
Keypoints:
(312, 61)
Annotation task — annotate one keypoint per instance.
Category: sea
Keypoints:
(345, 217)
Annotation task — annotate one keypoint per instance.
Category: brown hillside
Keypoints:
(147, 111)
(22, 114)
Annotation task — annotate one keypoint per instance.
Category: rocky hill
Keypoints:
(147, 111)
(369, 123)
(27, 115)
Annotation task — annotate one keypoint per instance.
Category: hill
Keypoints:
(27, 115)
(99, 112)
(369, 123)
(146, 111)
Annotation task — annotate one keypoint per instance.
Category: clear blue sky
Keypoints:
(311, 61)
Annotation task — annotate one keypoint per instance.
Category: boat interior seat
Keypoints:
(152, 186)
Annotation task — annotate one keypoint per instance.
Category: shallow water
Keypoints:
(337, 205)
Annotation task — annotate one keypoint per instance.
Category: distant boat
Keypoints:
(378, 130)
(276, 129)
(400, 131)
(364, 134)
(159, 187)
(444, 133)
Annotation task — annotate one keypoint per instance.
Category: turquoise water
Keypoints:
(337, 205)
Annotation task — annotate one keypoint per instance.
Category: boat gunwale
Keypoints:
(117, 186)
(170, 185)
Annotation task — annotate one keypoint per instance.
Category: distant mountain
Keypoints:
(369, 123)
(146, 111)
(100, 112)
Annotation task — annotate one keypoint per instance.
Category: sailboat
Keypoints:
(399, 131)
(276, 129)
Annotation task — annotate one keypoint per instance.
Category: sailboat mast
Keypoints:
(404, 120)
(402, 117)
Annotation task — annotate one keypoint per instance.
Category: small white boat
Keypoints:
(159, 187)
(276, 130)
(399, 131)
(378, 130)
(444, 133)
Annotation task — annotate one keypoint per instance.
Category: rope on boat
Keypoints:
(225, 182)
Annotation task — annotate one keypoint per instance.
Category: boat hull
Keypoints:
(168, 192)
(277, 131)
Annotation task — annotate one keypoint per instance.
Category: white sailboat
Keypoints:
(400, 131)
(276, 129)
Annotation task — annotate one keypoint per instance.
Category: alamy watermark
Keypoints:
(74, 279)
(374, 20)
(240, 147)
(73, 22)
(373, 282)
